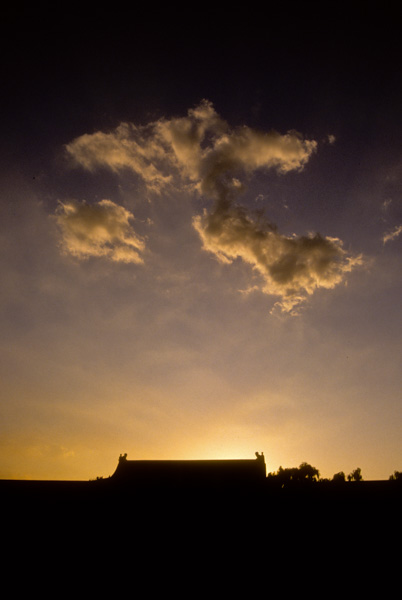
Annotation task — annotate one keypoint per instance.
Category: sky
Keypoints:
(200, 234)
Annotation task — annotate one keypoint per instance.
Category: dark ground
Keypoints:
(94, 537)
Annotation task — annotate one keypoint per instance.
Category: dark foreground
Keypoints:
(206, 540)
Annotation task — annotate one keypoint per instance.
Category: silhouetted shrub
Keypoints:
(355, 475)
(339, 477)
(305, 473)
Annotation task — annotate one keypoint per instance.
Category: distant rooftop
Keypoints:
(190, 471)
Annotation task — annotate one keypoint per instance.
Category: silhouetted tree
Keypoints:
(339, 477)
(308, 473)
(355, 475)
(396, 476)
(281, 477)
(302, 474)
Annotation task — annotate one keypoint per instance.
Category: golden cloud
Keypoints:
(98, 230)
(126, 147)
(202, 153)
(291, 267)
(200, 148)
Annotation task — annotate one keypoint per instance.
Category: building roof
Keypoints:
(234, 471)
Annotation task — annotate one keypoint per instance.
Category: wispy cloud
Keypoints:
(126, 147)
(98, 230)
(392, 235)
(201, 152)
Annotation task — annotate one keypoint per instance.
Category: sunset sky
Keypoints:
(201, 236)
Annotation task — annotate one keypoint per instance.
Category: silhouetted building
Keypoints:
(190, 472)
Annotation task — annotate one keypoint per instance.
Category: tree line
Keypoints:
(306, 473)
